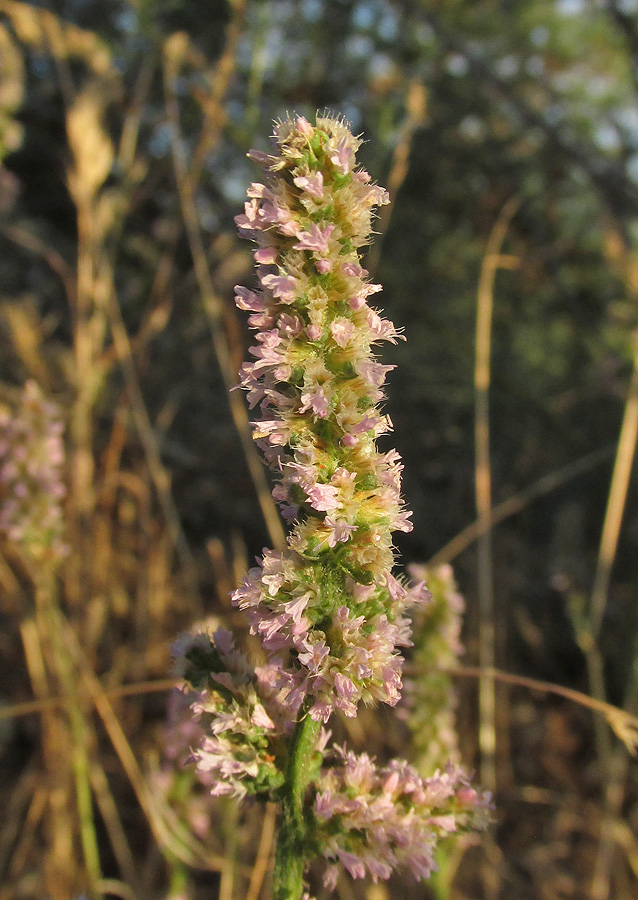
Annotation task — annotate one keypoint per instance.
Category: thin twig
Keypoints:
(613, 763)
(55, 260)
(227, 880)
(30, 707)
(61, 666)
(617, 718)
(615, 777)
(61, 855)
(517, 502)
(15, 814)
(131, 126)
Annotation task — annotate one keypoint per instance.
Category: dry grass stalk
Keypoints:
(174, 53)
(613, 763)
(24, 849)
(117, 836)
(616, 502)
(492, 261)
(60, 870)
(44, 31)
(167, 832)
(157, 470)
(92, 159)
(416, 114)
(624, 724)
(263, 860)
(137, 689)
(16, 812)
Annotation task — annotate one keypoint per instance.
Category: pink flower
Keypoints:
(315, 400)
(323, 266)
(382, 329)
(304, 127)
(323, 497)
(266, 255)
(249, 300)
(259, 157)
(282, 286)
(259, 191)
(252, 220)
(315, 239)
(353, 864)
(375, 820)
(340, 530)
(353, 269)
(31, 480)
(311, 184)
(312, 656)
(294, 608)
(341, 155)
(345, 687)
(357, 301)
(378, 195)
(372, 372)
(342, 330)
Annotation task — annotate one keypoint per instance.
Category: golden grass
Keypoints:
(86, 814)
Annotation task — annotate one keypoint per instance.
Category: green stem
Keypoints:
(290, 856)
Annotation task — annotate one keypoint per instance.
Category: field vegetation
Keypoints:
(507, 135)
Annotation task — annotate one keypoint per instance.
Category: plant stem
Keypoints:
(289, 858)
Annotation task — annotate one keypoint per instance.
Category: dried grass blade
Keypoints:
(184, 846)
(492, 261)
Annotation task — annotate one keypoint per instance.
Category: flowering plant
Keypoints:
(328, 611)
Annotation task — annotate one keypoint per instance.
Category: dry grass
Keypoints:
(93, 807)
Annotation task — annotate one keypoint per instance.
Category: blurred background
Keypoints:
(507, 134)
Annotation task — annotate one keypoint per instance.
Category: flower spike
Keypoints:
(329, 613)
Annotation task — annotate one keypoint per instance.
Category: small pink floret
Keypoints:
(304, 127)
(323, 497)
(311, 184)
(324, 266)
(266, 256)
(315, 239)
(341, 156)
(342, 331)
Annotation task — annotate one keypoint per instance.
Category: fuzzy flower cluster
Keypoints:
(31, 478)
(329, 614)
(327, 609)
(374, 820)
(429, 697)
(236, 730)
